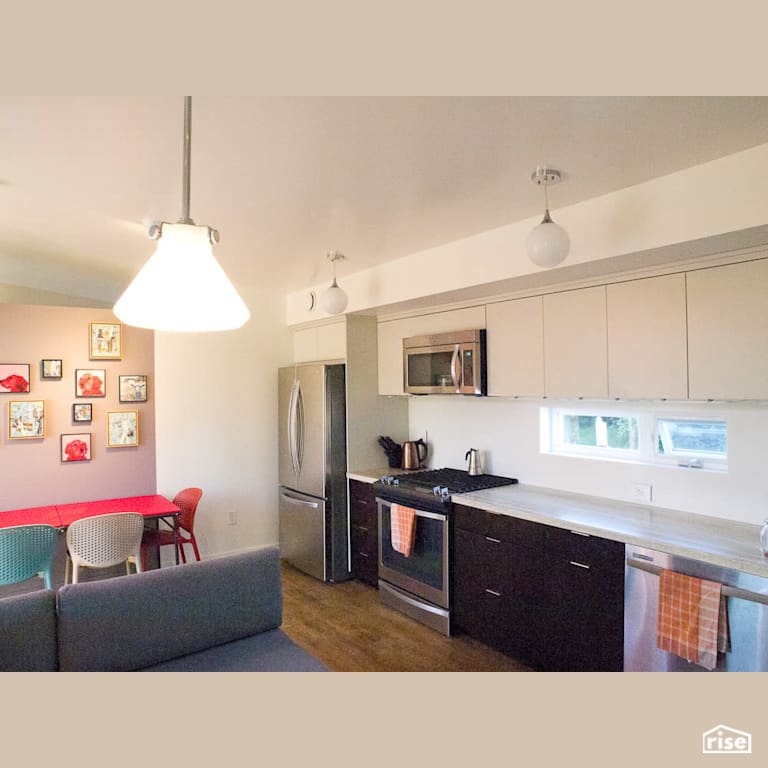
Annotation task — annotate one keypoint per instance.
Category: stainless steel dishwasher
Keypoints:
(747, 597)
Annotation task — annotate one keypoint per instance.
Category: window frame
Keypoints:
(648, 435)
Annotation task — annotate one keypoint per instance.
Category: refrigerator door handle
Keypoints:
(298, 501)
(292, 426)
(300, 427)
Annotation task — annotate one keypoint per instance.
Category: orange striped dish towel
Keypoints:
(677, 628)
(403, 526)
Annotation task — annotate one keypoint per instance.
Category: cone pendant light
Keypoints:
(182, 287)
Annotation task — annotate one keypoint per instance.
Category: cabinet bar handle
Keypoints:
(581, 533)
(363, 554)
(491, 592)
(579, 565)
(495, 541)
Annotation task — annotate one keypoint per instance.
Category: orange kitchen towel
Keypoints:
(677, 628)
(403, 528)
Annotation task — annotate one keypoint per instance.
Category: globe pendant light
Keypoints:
(547, 244)
(182, 287)
(334, 300)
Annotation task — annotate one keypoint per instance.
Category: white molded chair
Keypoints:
(102, 541)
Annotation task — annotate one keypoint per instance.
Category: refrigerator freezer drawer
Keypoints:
(302, 532)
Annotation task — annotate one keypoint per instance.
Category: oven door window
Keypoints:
(426, 563)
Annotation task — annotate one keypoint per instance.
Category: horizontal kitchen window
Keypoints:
(692, 442)
(642, 437)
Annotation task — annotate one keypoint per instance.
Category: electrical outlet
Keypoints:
(231, 516)
(641, 492)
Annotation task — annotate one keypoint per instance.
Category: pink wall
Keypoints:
(31, 472)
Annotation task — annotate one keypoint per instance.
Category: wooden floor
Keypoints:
(346, 627)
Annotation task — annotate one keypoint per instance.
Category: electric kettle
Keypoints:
(412, 454)
(474, 467)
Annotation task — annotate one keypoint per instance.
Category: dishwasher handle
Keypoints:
(741, 594)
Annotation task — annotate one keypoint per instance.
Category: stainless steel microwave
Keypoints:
(445, 364)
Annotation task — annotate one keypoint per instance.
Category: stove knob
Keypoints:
(436, 490)
(395, 481)
(445, 493)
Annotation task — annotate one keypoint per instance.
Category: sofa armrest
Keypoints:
(28, 632)
(130, 622)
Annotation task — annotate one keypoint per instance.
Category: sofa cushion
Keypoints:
(271, 651)
(131, 622)
(28, 632)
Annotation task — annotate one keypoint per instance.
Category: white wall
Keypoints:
(723, 196)
(506, 431)
(217, 424)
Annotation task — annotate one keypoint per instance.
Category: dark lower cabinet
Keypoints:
(552, 598)
(363, 532)
(496, 575)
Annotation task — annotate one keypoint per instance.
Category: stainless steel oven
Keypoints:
(416, 585)
(445, 364)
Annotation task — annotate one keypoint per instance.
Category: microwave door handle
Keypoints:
(455, 367)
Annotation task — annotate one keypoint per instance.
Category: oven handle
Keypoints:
(419, 512)
(420, 604)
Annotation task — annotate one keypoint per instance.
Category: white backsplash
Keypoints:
(506, 432)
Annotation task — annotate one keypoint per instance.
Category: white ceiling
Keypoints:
(286, 179)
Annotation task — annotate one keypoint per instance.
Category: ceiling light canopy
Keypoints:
(182, 287)
(334, 299)
(547, 244)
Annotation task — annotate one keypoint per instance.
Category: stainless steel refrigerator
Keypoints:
(313, 470)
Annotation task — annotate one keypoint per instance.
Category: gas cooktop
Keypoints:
(430, 488)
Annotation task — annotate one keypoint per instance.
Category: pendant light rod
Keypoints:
(185, 219)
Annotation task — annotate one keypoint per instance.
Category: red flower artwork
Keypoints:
(14, 383)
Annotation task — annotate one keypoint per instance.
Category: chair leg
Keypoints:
(181, 551)
(75, 571)
(67, 566)
(194, 545)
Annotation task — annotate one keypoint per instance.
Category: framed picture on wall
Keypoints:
(76, 447)
(122, 429)
(106, 341)
(82, 412)
(50, 368)
(26, 419)
(14, 377)
(133, 389)
(90, 382)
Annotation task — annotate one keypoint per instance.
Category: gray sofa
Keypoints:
(220, 615)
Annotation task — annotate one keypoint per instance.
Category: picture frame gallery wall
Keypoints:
(66, 352)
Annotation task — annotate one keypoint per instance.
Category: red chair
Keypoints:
(187, 501)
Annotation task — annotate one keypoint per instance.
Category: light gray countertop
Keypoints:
(715, 540)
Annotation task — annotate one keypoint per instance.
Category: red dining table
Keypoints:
(63, 515)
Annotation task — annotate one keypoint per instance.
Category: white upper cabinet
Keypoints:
(320, 342)
(728, 332)
(647, 338)
(392, 332)
(515, 338)
(575, 343)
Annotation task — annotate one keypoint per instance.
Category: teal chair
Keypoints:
(27, 551)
